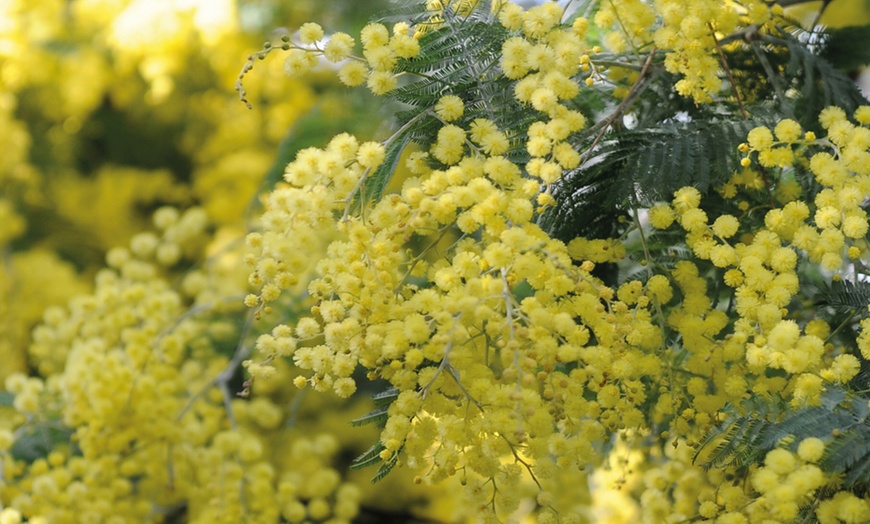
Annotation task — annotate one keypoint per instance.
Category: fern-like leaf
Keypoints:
(642, 166)
(376, 416)
(36, 440)
(846, 297)
(846, 48)
(370, 457)
(462, 58)
(377, 181)
(387, 466)
(386, 397)
(821, 84)
(842, 421)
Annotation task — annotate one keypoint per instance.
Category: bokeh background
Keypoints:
(110, 109)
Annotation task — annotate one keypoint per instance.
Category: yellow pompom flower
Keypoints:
(686, 198)
(310, 33)
(374, 35)
(510, 15)
(299, 62)
(830, 116)
(780, 461)
(760, 139)
(843, 369)
(765, 480)
(693, 220)
(381, 58)
(449, 108)
(344, 387)
(404, 46)
(784, 335)
(10, 516)
(808, 389)
(353, 74)
(381, 82)
(338, 47)
(725, 226)
(855, 226)
(370, 154)
(852, 510)
(788, 130)
(661, 216)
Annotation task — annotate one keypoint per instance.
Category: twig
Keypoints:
(768, 70)
(451, 371)
(444, 363)
(632, 93)
(222, 381)
(223, 378)
(728, 72)
(348, 200)
(616, 63)
(523, 462)
(825, 4)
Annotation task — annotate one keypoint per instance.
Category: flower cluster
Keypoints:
(518, 375)
(690, 32)
(508, 356)
(138, 415)
(787, 480)
(764, 268)
(382, 50)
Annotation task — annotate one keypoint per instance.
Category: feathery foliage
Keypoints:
(846, 297)
(840, 47)
(841, 421)
(640, 166)
(377, 416)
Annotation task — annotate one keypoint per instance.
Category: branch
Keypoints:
(348, 200)
(620, 109)
(728, 72)
(223, 378)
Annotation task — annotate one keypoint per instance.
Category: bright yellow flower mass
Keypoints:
(564, 273)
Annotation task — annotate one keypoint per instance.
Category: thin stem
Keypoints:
(728, 72)
(768, 70)
(223, 378)
(523, 462)
(444, 363)
(416, 260)
(842, 325)
(454, 374)
(386, 143)
(825, 4)
(620, 109)
(623, 29)
(617, 63)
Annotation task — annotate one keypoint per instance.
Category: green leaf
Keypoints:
(842, 421)
(386, 397)
(6, 398)
(819, 83)
(462, 58)
(847, 48)
(386, 467)
(376, 416)
(846, 296)
(37, 439)
(370, 457)
(374, 186)
(641, 166)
